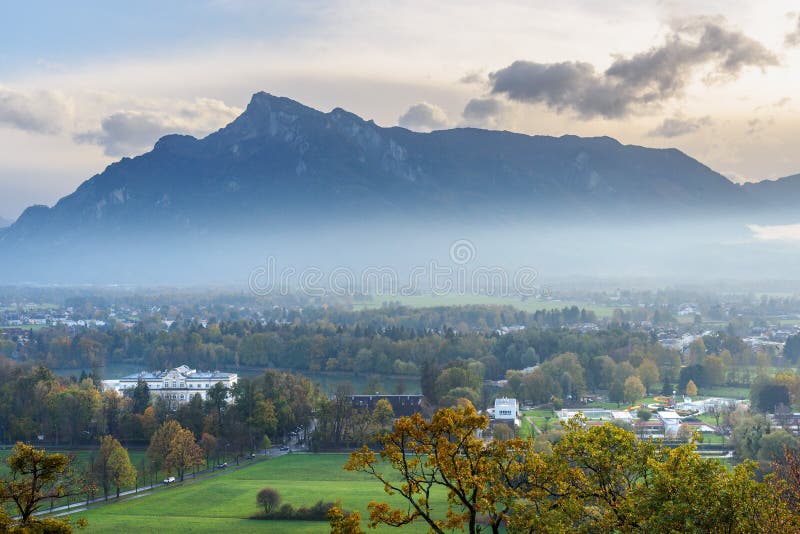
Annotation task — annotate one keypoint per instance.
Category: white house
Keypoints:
(671, 420)
(505, 410)
(176, 386)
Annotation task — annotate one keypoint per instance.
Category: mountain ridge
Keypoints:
(283, 166)
(291, 141)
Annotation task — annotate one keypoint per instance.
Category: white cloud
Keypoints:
(129, 132)
(424, 117)
(785, 232)
(484, 112)
(42, 112)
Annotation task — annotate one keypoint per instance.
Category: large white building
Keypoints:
(176, 386)
(505, 410)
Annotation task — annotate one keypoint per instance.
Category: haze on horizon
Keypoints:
(82, 85)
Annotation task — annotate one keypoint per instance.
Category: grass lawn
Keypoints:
(526, 429)
(543, 418)
(224, 503)
(726, 391)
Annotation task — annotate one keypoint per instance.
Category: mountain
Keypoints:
(780, 195)
(4, 223)
(282, 166)
(282, 159)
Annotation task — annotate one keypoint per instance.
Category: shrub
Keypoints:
(268, 498)
(316, 512)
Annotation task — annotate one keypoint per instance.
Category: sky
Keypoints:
(83, 84)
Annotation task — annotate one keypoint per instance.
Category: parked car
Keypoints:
(169, 480)
(251, 456)
(284, 448)
(223, 465)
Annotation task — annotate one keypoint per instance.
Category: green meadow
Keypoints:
(224, 503)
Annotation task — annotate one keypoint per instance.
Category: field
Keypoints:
(224, 503)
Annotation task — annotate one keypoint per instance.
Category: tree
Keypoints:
(502, 431)
(443, 453)
(697, 351)
(342, 523)
(141, 396)
(209, 445)
(184, 453)
(102, 467)
(121, 469)
(36, 476)
(383, 413)
(217, 398)
(593, 479)
(159, 447)
(791, 350)
(617, 392)
(634, 389)
(691, 388)
(648, 374)
(269, 499)
(766, 394)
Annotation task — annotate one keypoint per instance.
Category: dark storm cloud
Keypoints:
(677, 126)
(632, 83)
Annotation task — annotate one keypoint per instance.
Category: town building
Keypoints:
(402, 405)
(506, 411)
(176, 386)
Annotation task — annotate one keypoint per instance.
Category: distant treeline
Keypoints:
(391, 340)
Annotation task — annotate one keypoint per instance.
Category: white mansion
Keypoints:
(177, 385)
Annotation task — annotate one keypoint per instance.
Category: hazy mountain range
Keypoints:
(283, 169)
(4, 222)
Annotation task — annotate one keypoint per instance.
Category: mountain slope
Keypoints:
(283, 173)
(781, 194)
(281, 159)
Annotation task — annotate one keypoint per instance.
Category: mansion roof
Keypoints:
(179, 372)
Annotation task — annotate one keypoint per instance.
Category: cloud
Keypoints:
(678, 126)
(785, 232)
(633, 83)
(793, 37)
(483, 112)
(42, 112)
(129, 132)
(755, 126)
(424, 117)
(474, 77)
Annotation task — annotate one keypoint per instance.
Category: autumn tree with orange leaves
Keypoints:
(595, 479)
